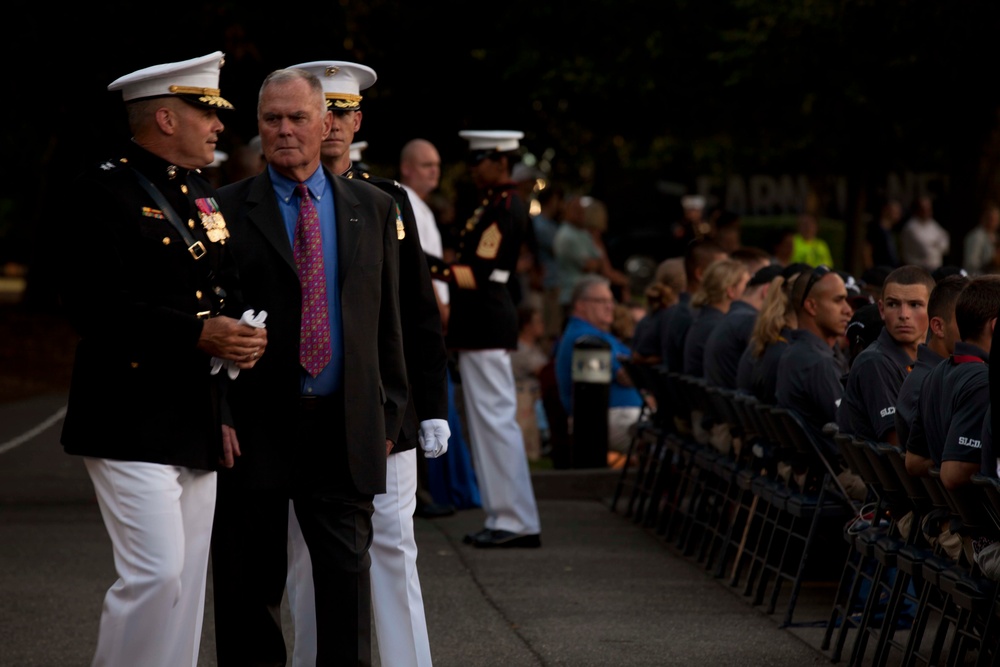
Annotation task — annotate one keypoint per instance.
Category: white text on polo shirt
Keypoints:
(891, 410)
(970, 442)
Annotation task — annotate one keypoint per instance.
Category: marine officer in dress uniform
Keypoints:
(482, 330)
(149, 284)
(397, 600)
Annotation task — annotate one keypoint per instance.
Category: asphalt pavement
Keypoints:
(600, 591)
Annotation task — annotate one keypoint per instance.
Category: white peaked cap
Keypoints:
(195, 80)
(356, 149)
(342, 82)
(492, 140)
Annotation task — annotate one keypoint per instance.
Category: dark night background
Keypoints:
(629, 101)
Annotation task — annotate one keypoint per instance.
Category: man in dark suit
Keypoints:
(154, 300)
(396, 595)
(316, 436)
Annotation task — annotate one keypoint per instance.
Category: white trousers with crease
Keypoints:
(159, 518)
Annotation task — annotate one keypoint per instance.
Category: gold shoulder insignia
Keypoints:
(489, 242)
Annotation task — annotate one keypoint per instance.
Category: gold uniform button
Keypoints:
(434, 269)
(197, 294)
(190, 224)
(166, 240)
(184, 188)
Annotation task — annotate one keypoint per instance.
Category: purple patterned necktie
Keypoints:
(314, 338)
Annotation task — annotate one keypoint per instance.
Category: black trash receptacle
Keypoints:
(591, 390)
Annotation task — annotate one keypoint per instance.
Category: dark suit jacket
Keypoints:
(423, 341)
(264, 401)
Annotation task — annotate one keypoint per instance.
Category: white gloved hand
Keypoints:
(433, 437)
(257, 322)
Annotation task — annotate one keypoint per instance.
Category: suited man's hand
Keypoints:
(388, 446)
(433, 437)
(230, 446)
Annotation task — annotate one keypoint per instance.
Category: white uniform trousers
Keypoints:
(159, 518)
(397, 601)
(498, 453)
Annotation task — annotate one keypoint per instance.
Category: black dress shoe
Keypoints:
(504, 539)
(433, 510)
(472, 537)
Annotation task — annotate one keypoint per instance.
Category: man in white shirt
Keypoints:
(923, 241)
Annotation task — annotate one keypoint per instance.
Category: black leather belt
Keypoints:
(310, 403)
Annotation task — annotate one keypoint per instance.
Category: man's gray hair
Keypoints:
(584, 285)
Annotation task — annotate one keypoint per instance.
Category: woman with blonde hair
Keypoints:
(775, 327)
(723, 283)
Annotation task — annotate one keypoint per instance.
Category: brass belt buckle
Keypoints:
(197, 250)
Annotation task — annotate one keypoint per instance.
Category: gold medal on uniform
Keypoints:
(212, 220)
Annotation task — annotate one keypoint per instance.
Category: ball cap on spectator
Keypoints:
(342, 82)
(195, 81)
(356, 149)
(765, 274)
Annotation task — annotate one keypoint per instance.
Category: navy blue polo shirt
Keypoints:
(744, 370)
(764, 374)
(809, 383)
(909, 392)
(705, 320)
(726, 344)
(675, 328)
(990, 462)
(953, 401)
(868, 409)
(648, 333)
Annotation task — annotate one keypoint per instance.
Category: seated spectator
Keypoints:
(864, 328)
(775, 327)
(729, 339)
(722, 285)
(808, 246)
(663, 293)
(574, 250)
(645, 343)
(947, 428)
(809, 372)
(942, 334)
(698, 257)
(869, 404)
(592, 307)
(526, 363)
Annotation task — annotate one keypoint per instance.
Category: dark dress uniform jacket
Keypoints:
(141, 390)
(423, 341)
(483, 314)
(265, 401)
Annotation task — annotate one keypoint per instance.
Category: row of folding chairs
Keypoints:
(954, 611)
(759, 515)
(755, 515)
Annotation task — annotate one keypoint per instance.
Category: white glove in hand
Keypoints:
(257, 322)
(433, 437)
